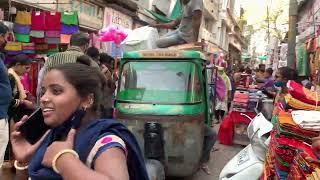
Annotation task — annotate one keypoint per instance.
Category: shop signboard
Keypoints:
(90, 15)
(117, 18)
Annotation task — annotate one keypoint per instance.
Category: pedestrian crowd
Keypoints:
(76, 97)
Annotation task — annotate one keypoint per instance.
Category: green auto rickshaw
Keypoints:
(163, 99)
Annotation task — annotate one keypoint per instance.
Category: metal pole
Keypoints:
(293, 13)
(268, 19)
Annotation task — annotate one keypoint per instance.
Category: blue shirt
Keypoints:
(5, 90)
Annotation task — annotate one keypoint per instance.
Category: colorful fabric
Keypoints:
(281, 174)
(53, 46)
(28, 46)
(29, 51)
(65, 38)
(37, 34)
(38, 21)
(303, 94)
(296, 104)
(225, 134)
(85, 140)
(52, 21)
(23, 18)
(52, 34)
(302, 61)
(70, 18)
(13, 46)
(22, 37)
(52, 40)
(37, 40)
(69, 29)
(220, 88)
(21, 29)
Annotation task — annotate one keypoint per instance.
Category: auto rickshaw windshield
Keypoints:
(173, 82)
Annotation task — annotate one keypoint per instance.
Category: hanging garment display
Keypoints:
(23, 18)
(13, 46)
(52, 34)
(65, 38)
(52, 21)
(21, 29)
(69, 29)
(54, 40)
(70, 18)
(38, 20)
(37, 34)
(302, 61)
(22, 37)
(37, 40)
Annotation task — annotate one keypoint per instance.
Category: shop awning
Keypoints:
(245, 57)
(262, 58)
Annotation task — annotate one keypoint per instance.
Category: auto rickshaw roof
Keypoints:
(164, 54)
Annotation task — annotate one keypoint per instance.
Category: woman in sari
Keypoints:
(79, 144)
(21, 103)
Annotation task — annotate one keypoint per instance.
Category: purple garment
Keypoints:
(220, 88)
(67, 29)
(21, 29)
(14, 53)
(268, 83)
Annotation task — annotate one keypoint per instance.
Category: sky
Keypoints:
(256, 12)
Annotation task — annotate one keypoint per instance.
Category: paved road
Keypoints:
(217, 161)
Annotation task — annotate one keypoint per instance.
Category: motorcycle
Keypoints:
(249, 162)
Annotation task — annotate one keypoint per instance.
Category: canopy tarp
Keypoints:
(164, 19)
(262, 58)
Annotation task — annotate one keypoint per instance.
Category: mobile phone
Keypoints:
(35, 127)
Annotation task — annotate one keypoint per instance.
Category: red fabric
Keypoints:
(38, 21)
(52, 21)
(297, 91)
(225, 134)
(37, 40)
(34, 79)
(52, 46)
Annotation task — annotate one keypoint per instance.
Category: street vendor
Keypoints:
(189, 24)
(268, 81)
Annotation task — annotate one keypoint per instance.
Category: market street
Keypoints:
(219, 157)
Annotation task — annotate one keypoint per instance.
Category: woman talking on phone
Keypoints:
(79, 145)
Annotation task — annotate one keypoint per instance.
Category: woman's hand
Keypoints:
(28, 104)
(21, 148)
(56, 147)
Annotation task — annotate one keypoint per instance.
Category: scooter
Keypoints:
(249, 162)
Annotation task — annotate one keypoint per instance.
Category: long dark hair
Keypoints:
(86, 80)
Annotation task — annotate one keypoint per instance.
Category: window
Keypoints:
(160, 82)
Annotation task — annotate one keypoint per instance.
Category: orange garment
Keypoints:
(286, 118)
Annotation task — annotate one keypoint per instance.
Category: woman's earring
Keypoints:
(84, 108)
